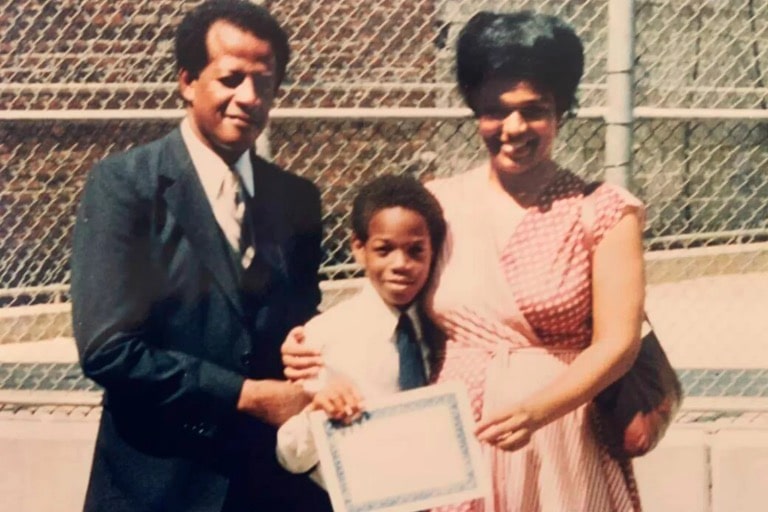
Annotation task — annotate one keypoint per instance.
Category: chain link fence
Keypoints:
(370, 90)
(702, 54)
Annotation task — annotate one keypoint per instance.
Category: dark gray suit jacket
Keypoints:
(168, 323)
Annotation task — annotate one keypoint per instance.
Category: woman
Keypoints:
(540, 287)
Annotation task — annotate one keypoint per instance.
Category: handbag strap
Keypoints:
(588, 216)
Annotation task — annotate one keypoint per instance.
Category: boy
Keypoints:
(379, 341)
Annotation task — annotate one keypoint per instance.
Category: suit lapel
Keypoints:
(187, 202)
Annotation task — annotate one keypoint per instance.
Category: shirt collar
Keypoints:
(387, 315)
(210, 167)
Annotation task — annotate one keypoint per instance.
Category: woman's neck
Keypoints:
(524, 188)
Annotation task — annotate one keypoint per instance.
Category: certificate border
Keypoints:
(451, 396)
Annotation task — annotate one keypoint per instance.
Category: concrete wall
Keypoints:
(46, 457)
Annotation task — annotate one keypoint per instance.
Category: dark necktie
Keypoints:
(247, 245)
(243, 244)
(412, 373)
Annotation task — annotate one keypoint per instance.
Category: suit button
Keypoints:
(246, 359)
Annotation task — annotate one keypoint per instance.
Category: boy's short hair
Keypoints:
(391, 191)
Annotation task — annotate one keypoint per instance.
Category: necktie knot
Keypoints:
(411, 369)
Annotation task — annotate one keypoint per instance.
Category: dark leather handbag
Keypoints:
(633, 413)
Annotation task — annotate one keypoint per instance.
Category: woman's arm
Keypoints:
(618, 287)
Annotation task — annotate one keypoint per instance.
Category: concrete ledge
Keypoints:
(679, 264)
(336, 291)
(46, 321)
(56, 350)
(53, 398)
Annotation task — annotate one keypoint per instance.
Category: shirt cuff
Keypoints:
(295, 449)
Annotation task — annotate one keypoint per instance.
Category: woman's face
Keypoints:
(518, 123)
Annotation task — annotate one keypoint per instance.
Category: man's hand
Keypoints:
(272, 401)
(300, 361)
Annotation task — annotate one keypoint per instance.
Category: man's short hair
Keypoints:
(191, 35)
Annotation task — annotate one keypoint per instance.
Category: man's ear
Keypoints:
(358, 251)
(186, 88)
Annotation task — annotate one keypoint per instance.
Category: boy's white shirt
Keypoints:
(357, 339)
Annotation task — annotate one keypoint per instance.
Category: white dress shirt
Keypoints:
(357, 339)
(210, 167)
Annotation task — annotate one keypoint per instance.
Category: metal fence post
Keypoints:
(618, 114)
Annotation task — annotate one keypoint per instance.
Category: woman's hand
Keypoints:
(339, 399)
(510, 429)
(300, 361)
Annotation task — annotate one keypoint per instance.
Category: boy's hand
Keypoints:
(339, 399)
(300, 361)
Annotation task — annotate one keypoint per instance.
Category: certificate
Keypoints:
(411, 451)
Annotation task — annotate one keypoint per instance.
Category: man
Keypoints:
(192, 259)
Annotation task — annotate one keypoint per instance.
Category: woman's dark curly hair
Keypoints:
(538, 48)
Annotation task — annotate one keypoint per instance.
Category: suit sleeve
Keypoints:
(307, 253)
(113, 290)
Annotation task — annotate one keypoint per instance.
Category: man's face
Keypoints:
(228, 103)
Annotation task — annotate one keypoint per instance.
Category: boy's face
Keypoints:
(397, 256)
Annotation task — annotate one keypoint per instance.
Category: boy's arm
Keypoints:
(295, 449)
(295, 446)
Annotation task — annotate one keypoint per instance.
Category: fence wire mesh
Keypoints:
(700, 178)
(104, 54)
(83, 79)
(117, 54)
(344, 154)
(702, 53)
